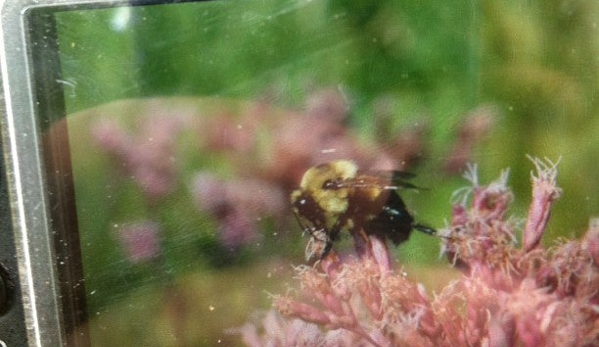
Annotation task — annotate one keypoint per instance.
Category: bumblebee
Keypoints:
(335, 196)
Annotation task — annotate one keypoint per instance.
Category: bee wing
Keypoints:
(387, 180)
(399, 179)
(395, 179)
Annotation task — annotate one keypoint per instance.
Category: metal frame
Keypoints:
(26, 190)
(37, 313)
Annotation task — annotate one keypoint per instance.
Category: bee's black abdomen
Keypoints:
(393, 222)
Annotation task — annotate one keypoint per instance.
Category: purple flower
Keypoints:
(591, 240)
(471, 132)
(544, 192)
(238, 205)
(141, 241)
(148, 156)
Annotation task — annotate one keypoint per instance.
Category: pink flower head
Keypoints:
(471, 132)
(237, 205)
(544, 192)
(148, 157)
(141, 241)
(591, 240)
(479, 229)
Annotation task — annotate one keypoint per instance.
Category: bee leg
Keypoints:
(319, 244)
(361, 243)
(424, 229)
(327, 249)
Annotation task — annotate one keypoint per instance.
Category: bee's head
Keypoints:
(306, 210)
(318, 186)
(318, 177)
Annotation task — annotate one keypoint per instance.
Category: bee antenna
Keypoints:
(425, 229)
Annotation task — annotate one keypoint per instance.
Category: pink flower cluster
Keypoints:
(140, 241)
(237, 205)
(506, 296)
(148, 157)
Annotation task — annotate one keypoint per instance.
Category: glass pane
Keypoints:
(191, 124)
